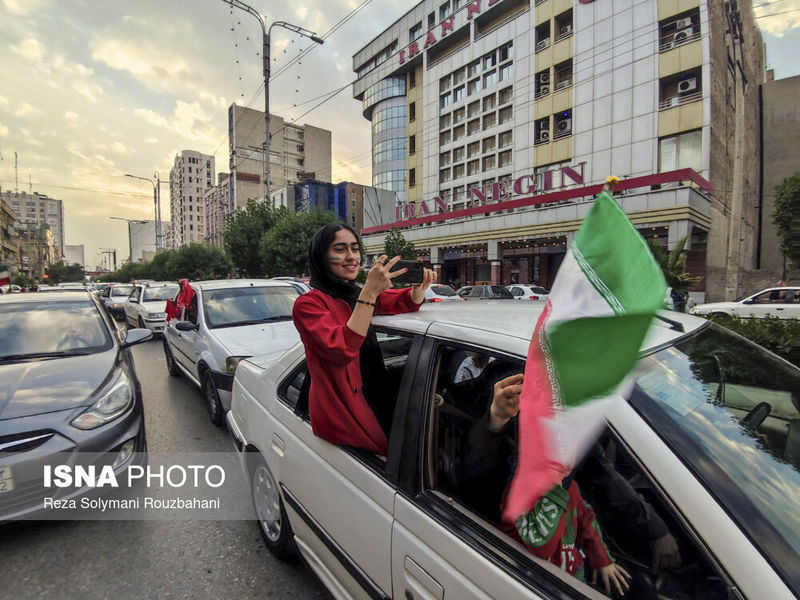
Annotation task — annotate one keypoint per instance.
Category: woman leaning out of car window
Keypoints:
(342, 352)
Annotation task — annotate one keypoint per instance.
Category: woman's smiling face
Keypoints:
(344, 256)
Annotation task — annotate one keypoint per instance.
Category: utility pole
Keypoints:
(156, 183)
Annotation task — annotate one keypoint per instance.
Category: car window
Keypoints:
(51, 327)
(233, 307)
(161, 292)
(516, 291)
(443, 290)
(190, 312)
(135, 293)
(471, 468)
(121, 290)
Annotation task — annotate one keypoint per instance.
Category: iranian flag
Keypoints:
(5, 278)
(585, 343)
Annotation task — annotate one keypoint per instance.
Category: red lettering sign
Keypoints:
(440, 204)
(473, 9)
(447, 25)
(518, 189)
(429, 39)
(413, 49)
(402, 56)
(478, 194)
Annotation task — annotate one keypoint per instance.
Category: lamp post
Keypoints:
(157, 200)
(266, 70)
(130, 240)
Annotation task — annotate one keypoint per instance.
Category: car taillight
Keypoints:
(435, 300)
(534, 297)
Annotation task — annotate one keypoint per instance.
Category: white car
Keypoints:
(114, 298)
(439, 292)
(226, 321)
(782, 302)
(706, 447)
(146, 305)
(528, 292)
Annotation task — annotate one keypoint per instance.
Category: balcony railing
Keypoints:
(679, 100)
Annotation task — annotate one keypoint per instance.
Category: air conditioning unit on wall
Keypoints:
(544, 90)
(683, 34)
(565, 125)
(683, 23)
(687, 85)
(544, 136)
(544, 77)
(543, 44)
(566, 29)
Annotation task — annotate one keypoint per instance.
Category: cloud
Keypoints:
(70, 117)
(139, 59)
(120, 148)
(3, 130)
(89, 90)
(26, 110)
(22, 7)
(3, 101)
(151, 140)
(785, 20)
(29, 48)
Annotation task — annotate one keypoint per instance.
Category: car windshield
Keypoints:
(443, 290)
(736, 407)
(30, 330)
(121, 290)
(248, 305)
(162, 292)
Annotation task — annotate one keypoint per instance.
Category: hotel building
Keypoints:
(498, 120)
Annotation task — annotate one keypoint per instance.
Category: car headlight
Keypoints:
(117, 305)
(232, 362)
(157, 315)
(114, 402)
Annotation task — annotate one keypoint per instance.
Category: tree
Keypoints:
(673, 264)
(198, 261)
(56, 272)
(243, 232)
(395, 244)
(284, 248)
(787, 217)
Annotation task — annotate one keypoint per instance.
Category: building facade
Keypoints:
(9, 237)
(499, 118)
(36, 209)
(75, 254)
(296, 152)
(218, 201)
(191, 175)
(142, 238)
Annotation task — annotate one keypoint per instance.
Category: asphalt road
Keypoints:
(90, 560)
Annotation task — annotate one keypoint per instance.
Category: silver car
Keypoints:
(228, 320)
(705, 453)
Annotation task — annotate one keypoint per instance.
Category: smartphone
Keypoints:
(415, 273)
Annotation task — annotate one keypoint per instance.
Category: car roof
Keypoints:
(34, 297)
(224, 284)
(475, 322)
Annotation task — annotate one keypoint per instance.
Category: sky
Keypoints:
(92, 90)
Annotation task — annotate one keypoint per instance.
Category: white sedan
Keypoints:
(782, 302)
(228, 320)
(146, 305)
(528, 292)
(700, 465)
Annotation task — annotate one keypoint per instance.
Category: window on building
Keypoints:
(458, 171)
(488, 144)
(541, 130)
(473, 109)
(473, 68)
(542, 36)
(444, 121)
(563, 26)
(445, 137)
(489, 102)
(459, 76)
(473, 167)
(489, 79)
(445, 100)
(680, 89)
(458, 133)
(562, 123)
(412, 78)
(444, 83)
(489, 60)
(412, 111)
(444, 158)
(504, 159)
(458, 115)
(505, 115)
(444, 11)
(563, 75)
(679, 29)
(473, 126)
(506, 72)
(458, 154)
(412, 144)
(682, 151)
(488, 162)
(444, 175)
(415, 32)
(506, 51)
(489, 120)
(412, 178)
(473, 149)
(431, 20)
(458, 94)
(474, 86)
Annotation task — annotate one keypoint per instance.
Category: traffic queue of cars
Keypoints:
(709, 439)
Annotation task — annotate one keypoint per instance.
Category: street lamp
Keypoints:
(265, 55)
(130, 240)
(157, 199)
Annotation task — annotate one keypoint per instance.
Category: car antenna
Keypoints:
(674, 325)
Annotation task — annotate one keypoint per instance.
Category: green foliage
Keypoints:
(396, 244)
(284, 248)
(787, 217)
(194, 261)
(781, 336)
(673, 264)
(21, 280)
(58, 272)
(243, 232)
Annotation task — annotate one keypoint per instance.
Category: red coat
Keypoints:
(339, 412)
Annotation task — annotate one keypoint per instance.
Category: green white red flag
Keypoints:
(5, 278)
(585, 343)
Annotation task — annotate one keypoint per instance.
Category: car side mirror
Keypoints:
(134, 300)
(185, 326)
(136, 336)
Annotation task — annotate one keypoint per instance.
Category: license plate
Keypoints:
(6, 480)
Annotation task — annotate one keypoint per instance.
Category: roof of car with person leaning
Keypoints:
(220, 284)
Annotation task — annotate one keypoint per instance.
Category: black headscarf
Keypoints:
(373, 371)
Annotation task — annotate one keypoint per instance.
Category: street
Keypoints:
(152, 559)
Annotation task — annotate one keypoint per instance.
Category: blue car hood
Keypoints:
(40, 386)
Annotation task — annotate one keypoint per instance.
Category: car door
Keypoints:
(185, 342)
(340, 501)
(132, 306)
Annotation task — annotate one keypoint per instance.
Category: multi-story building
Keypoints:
(357, 205)
(39, 209)
(498, 118)
(9, 237)
(75, 254)
(219, 204)
(296, 152)
(191, 175)
(142, 238)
